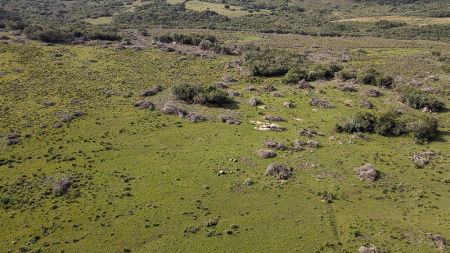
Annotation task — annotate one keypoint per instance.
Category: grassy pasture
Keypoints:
(234, 11)
(175, 1)
(149, 182)
(109, 20)
(406, 19)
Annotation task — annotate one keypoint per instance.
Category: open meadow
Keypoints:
(96, 157)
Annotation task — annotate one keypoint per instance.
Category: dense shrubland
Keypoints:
(203, 41)
(390, 123)
(200, 94)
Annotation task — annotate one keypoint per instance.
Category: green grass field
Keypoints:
(144, 181)
(232, 12)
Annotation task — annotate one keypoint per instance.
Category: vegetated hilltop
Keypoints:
(196, 140)
(391, 19)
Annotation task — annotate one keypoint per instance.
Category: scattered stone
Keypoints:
(426, 110)
(416, 83)
(144, 104)
(419, 160)
(366, 172)
(304, 85)
(254, 101)
(266, 153)
(371, 249)
(320, 103)
(288, 104)
(229, 119)
(366, 104)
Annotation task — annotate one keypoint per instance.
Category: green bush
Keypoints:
(197, 94)
(319, 71)
(346, 75)
(362, 122)
(386, 123)
(294, 75)
(271, 62)
(419, 99)
(385, 81)
(424, 128)
(369, 76)
(184, 91)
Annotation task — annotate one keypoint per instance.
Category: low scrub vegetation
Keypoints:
(390, 123)
(199, 94)
(419, 99)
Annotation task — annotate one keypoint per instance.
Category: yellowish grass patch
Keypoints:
(408, 20)
(234, 11)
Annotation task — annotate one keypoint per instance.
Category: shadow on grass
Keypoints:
(441, 136)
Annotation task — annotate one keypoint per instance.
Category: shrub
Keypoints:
(319, 72)
(386, 123)
(385, 81)
(368, 76)
(274, 118)
(320, 103)
(294, 75)
(195, 117)
(271, 62)
(254, 101)
(335, 67)
(346, 75)
(362, 122)
(366, 172)
(419, 99)
(279, 171)
(424, 128)
(266, 153)
(206, 95)
(184, 91)
(229, 120)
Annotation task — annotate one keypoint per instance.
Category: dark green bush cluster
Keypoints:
(312, 73)
(346, 75)
(65, 34)
(373, 77)
(271, 62)
(199, 94)
(419, 99)
(390, 123)
(204, 41)
(187, 39)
